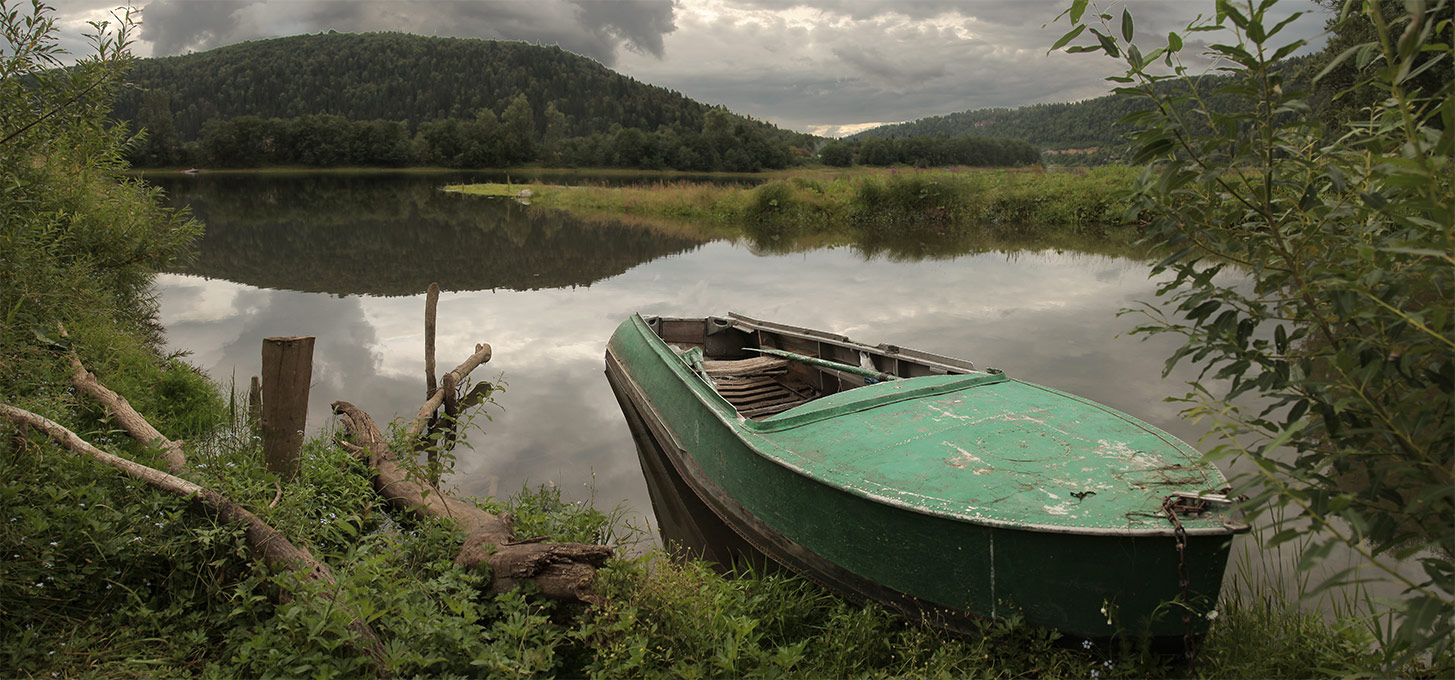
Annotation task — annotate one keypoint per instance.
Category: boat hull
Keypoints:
(942, 569)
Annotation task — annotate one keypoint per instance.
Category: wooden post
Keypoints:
(255, 403)
(431, 303)
(287, 370)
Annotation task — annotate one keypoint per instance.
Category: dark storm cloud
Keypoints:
(639, 23)
(174, 27)
(594, 28)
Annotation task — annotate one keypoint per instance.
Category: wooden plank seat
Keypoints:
(756, 386)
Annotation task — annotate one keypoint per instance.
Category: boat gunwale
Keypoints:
(719, 406)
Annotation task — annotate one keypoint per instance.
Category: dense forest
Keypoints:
(389, 99)
(925, 151)
(1088, 132)
(1084, 125)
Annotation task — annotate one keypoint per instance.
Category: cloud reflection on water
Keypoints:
(1046, 317)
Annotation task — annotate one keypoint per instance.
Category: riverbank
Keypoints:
(869, 201)
(111, 579)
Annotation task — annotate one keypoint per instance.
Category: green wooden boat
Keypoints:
(916, 481)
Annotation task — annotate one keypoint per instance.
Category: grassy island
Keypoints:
(1003, 202)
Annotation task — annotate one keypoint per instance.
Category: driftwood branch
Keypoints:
(265, 544)
(126, 416)
(421, 419)
(564, 571)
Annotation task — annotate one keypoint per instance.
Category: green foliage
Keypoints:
(542, 512)
(85, 553)
(836, 154)
(1341, 91)
(670, 619)
(1332, 373)
(911, 198)
(79, 241)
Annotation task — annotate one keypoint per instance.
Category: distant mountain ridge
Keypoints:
(407, 78)
(1090, 129)
(1084, 127)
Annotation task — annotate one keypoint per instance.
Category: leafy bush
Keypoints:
(770, 200)
(1332, 375)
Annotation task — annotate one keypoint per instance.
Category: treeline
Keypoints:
(392, 99)
(724, 143)
(928, 151)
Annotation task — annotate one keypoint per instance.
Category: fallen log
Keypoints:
(564, 571)
(134, 423)
(266, 545)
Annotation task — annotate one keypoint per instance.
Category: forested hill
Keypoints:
(1089, 129)
(409, 79)
(1084, 125)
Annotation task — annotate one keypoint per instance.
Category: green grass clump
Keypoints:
(675, 619)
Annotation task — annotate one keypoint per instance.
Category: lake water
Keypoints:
(347, 259)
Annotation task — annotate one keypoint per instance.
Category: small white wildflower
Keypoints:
(1107, 663)
(40, 584)
(1095, 673)
(201, 465)
(1212, 615)
(157, 524)
(232, 464)
(136, 538)
(1086, 644)
(54, 543)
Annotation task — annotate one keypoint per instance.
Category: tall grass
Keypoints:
(911, 202)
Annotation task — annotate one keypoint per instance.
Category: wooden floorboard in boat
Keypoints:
(743, 367)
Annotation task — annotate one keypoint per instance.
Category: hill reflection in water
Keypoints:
(395, 234)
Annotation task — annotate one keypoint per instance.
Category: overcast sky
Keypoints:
(824, 66)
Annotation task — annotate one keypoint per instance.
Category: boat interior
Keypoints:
(763, 368)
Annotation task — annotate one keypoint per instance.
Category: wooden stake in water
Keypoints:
(287, 370)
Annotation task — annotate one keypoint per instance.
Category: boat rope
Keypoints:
(1171, 505)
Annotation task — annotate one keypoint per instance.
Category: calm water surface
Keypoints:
(347, 259)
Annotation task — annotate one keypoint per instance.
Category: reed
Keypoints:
(865, 202)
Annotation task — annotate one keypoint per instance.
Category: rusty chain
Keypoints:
(1189, 644)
